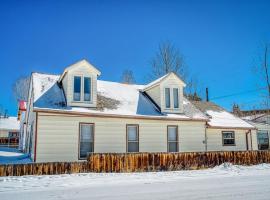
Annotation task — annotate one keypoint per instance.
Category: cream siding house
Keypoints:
(225, 131)
(74, 114)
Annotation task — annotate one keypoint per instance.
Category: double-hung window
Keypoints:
(228, 138)
(82, 83)
(86, 143)
(172, 137)
(172, 94)
(132, 138)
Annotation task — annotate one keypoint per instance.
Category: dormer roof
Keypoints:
(83, 62)
(161, 79)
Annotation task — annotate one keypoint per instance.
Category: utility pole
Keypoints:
(207, 94)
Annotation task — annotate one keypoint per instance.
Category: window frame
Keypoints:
(82, 88)
(79, 139)
(138, 134)
(222, 133)
(259, 145)
(177, 138)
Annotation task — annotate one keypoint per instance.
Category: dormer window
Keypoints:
(167, 97)
(87, 89)
(172, 98)
(77, 88)
(175, 98)
(79, 84)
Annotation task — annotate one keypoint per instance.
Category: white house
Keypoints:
(9, 131)
(73, 114)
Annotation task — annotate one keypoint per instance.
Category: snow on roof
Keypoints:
(113, 99)
(9, 123)
(253, 117)
(220, 117)
(46, 91)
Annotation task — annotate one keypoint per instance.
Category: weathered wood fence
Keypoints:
(138, 162)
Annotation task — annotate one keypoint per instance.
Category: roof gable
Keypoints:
(79, 64)
(163, 78)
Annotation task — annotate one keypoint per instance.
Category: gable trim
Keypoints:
(150, 86)
(74, 65)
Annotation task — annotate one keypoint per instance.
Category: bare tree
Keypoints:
(169, 59)
(20, 88)
(127, 77)
(262, 69)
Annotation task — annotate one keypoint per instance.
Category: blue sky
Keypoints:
(219, 40)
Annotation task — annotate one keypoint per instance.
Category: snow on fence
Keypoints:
(138, 162)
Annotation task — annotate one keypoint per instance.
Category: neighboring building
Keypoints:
(9, 131)
(21, 118)
(255, 115)
(74, 114)
(261, 120)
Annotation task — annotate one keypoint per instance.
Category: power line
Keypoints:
(239, 93)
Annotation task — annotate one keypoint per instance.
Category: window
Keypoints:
(172, 137)
(167, 98)
(175, 98)
(228, 138)
(87, 89)
(263, 140)
(132, 138)
(77, 88)
(86, 140)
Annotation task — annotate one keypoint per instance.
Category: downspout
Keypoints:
(251, 139)
(247, 140)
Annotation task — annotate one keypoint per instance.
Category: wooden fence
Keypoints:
(138, 162)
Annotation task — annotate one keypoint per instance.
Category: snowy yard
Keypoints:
(222, 182)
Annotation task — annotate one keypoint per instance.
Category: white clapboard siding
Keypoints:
(154, 93)
(57, 136)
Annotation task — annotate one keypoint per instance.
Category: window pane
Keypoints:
(228, 135)
(172, 133)
(77, 88)
(228, 141)
(133, 147)
(175, 98)
(86, 139)
(167, 97)
(132, 133)
(173, 147)
(87, 89)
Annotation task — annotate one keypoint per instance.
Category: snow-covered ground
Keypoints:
(13, 156)
(222, 182)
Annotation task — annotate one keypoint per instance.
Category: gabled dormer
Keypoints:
(167, 92)
(79, 82)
